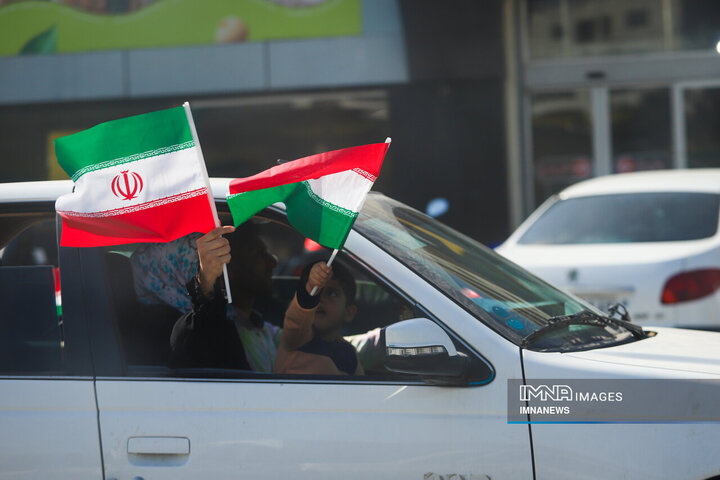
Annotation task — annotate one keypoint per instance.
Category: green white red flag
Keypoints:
(322, 193)
(137, 179)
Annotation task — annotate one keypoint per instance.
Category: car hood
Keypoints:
(670, 349)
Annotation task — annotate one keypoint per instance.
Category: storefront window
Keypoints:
(641, 138)
(243, 136)
(562, 140)
(575, 28)
(239, 136)
(702, 117)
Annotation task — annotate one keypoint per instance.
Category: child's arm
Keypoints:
(297, 326)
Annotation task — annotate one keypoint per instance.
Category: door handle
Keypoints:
(158, 446)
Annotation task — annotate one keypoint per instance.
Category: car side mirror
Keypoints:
(420, 347)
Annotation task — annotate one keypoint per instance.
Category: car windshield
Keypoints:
(502, 295)
(627, 218)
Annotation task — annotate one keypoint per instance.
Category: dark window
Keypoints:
(556, 32)
(641, 134)
(605, 27)
(147, 297)
(585, 31)
(637, 18)
(627, 218)
(702, 117)
(31, 323)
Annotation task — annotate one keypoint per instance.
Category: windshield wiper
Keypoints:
(619, 309)
(584, 317)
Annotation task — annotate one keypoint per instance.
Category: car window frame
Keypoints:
(113, 365)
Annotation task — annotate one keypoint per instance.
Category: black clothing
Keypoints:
(342, 353)
(205, 337)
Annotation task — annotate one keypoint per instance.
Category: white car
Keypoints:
(473, 349)
(647, 240)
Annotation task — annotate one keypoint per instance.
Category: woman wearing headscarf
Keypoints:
(187, 274)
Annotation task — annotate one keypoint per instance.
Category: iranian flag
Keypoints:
(322, 193)
(137, 179)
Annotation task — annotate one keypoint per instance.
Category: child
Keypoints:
(311, 342)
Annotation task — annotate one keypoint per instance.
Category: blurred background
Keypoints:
(492, 105)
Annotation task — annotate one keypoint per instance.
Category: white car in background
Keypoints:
(648, 240)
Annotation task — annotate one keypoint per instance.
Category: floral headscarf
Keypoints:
(161, 271)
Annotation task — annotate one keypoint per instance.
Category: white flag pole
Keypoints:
(329, 262)
(335, 251)
(203, 170)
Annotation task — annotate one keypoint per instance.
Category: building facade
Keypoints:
(492, 105)
(336, 73)
(613, 86)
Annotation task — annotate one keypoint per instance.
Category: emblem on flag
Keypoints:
(121, 185)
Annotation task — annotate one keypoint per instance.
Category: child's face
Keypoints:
(333, 309)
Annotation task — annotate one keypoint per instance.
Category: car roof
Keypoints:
(50, 190)
(690, 180)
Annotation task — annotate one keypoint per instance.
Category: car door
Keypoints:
(48, 416)
(160, 423)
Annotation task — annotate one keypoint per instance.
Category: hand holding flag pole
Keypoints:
(191, 122)
(335, 251)
(329, 262)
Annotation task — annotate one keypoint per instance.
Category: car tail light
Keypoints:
(691, 285)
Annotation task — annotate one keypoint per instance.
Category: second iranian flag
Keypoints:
(323, 193)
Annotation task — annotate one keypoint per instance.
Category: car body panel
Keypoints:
(48, 429)
(246, 429)
(669, 350)
(689, 180)
(49, 191)
(639, 451)
(17, 192)
(635, 450)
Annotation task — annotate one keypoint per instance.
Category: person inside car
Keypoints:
(311, 342)
(187, 274)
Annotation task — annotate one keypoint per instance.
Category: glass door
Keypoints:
(578, 133)
(700, 124)
(641, 129)
(562, 140)
(614, 87)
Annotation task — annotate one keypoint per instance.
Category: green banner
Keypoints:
(32, 27)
